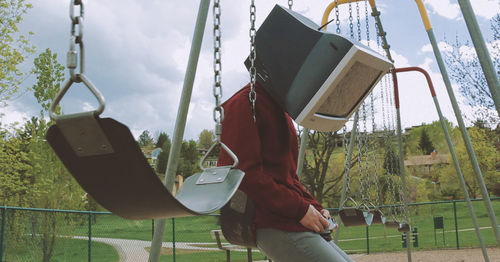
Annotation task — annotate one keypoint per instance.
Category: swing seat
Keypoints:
(404, 227)
(392, 224)
(352, 216)
(103, 156)
(378, 217)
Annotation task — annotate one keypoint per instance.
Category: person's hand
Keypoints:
(325, 213)
(314, 220)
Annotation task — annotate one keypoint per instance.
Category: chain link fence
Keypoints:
(29, 234)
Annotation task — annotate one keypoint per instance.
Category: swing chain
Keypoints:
(358, 23)
(76, 39)
(337, 20)
(217, 88)
(360, 163)
(290, 4)
(367, 23)
(347, 163)
(253, 70)
(351, 25)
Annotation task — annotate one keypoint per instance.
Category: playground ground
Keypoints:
(449, 255)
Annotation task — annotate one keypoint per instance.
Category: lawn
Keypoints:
(66, 250)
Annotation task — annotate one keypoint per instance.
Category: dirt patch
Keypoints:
(462, 255)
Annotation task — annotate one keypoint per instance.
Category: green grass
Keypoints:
(66, 250)
(197, 229)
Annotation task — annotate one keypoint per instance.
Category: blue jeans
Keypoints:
(283, 246)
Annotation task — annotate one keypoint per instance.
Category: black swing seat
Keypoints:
(378, 217)
(103, 156)
(392, 224)
(353, 216)
(404, 227)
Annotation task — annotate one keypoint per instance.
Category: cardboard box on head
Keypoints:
(319, 78)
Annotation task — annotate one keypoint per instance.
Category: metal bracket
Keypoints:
(84, 134)
(213, 175)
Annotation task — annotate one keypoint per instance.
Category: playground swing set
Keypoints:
(103, 156)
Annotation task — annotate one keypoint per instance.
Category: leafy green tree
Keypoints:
(206, 139)
(188, 162)
(14, 46)
(55, 186)
(50, 75)
(162, 138)
(425, 144)
(487, 155)
(145, 139)
(162, 161)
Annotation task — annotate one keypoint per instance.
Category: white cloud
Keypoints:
(445, 8)
(443, 47)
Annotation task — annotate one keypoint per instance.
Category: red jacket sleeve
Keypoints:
(262, 147)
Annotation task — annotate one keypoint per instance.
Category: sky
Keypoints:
(136, 54)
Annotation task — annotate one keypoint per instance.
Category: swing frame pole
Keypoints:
(450, 146)
(180, 124)
(461, 125)
(354, 131)
(482, 51)
(402, 172)
(304, 139)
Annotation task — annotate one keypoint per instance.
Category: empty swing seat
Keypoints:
(378, 217)
(404, 227)
(353, 216)
(103, 156)
(392, 224)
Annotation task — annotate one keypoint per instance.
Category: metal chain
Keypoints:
(337, 21)
(374, 148)
(351, 25)
(358, 21)
(365, 151)
(367, 23)
(218, 113)
(253, 71)
(76, 39)
(360, 163)
(290, 4)
(347, 163)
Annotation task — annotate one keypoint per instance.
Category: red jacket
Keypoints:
(267, 151)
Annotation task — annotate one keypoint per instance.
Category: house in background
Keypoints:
(422, 166)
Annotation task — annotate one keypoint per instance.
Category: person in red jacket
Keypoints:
(287, 217)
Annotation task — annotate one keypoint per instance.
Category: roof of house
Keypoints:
(426, 160)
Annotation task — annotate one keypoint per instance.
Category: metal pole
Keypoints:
(456, 223)
(180, 123)
(90, 238)
(402, 172)
(347, 160)
(2, 233)
(458, 115)
(173, 237)
(452, 151)
(482, 52)
(304, 139)
(367, 241)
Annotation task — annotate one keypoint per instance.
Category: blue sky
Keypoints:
(136, 54)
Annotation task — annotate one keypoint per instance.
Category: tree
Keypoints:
(162, 161)
(391, 161)
(188, 162)
(145, 139)
(206, 139)
(319, 177)
(425, 144)
(162, 138)
(465, 69)
(14, 46)
(50, 75)
(487, 156)
(54, 185)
